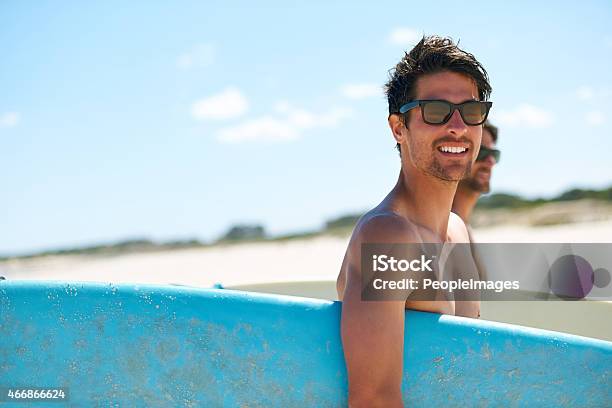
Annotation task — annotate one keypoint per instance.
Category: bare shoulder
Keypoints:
(457, 229)
(384, 227)
(376, 227)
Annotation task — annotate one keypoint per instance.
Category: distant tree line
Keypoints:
(503, 200)
(339, 225)
(243, 232)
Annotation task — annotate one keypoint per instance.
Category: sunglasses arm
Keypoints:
(410, 105)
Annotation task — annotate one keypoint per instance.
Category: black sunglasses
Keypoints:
(438, 112)
(486, 152)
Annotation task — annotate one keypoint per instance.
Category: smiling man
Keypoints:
(437, 96)
(478, 182)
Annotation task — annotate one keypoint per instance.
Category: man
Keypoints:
(438, 143)
(477, 183)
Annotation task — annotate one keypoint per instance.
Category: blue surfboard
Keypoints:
(169, 346)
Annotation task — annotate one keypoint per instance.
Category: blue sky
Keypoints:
(172, 120)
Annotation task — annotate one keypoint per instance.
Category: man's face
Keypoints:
(424, 143)
(480, 175)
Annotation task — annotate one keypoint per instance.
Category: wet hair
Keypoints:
(492, 130)
(431, 55)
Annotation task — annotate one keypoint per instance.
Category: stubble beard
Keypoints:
(475, 185)
(433, 167)
(444, 173)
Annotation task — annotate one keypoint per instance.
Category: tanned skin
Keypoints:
(418, 209)
(470, 188)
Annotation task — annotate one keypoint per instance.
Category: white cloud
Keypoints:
(282, 107)
(584, 93)
(9, 119)
(595, 118)
(525, 115)
(335, 116)
(303, 119)
(228, 104)
(261, 129)
(361, 91)
(200, 56)
(405, 36)
(287, 128)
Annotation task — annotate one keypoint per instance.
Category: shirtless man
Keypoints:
(478, 182)
(438, 143)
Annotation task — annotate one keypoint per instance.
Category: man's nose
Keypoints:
(490, 160)
(456, 123)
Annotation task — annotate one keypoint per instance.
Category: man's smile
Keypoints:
(453, 149)
(483, 174)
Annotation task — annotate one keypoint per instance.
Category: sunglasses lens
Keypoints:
(435, 112)
(496, 154)
(474, 113)
(484, 153)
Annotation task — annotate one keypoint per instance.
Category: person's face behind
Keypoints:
(421, 143)
(480, 176)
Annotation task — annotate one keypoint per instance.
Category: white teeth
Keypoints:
(452, 149)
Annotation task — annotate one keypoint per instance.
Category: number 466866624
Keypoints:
(33, 394)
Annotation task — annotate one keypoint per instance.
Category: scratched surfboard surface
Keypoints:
(145, 345)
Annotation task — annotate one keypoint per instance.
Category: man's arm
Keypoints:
(373, 341)
(373, 331)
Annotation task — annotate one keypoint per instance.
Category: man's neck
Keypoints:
(464, 202)
(427, 199)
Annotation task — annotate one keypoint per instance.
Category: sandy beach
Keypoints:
(312, 259)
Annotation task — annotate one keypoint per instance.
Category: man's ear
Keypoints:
(397, 128)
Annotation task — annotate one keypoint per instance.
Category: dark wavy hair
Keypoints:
(431, 55)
